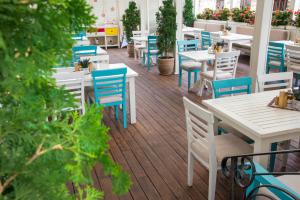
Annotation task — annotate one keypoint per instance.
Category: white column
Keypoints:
(143, 15)
(179, 35)
(148, 16)
(262, 30)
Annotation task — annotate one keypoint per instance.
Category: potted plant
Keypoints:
(188, 14)
(86, 64)
(207, 14)
(131, 22)
(282, 18)
(166, 29)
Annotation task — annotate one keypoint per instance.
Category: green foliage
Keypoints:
(222, 14)
(131, 20)
(188, 14)
(243, 15)
(166, 27)
(297, 20)
(41, 147)
(207, 14)
(282, 18)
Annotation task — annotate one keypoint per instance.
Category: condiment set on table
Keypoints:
(289, 100)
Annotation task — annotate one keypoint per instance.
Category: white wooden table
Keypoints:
(234, 37)
(191, 31)
(130, 78)
(251, 115)
(198, 56)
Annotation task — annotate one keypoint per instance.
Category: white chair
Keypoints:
(139, 46)
(224, 68)
(275, 81)
(293, 60)
(207, 148)
(74, 83)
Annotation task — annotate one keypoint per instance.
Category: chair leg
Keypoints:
(202, 85)
(286, 145)
(124, 116)
(195, 76)
(144, 58)
(268, 69)
(180, 77)
(190, 170)
(116, 112)
(148, 61)
(272, 157)
(189, 80)
(212, 183)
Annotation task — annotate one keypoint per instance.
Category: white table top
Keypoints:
(140, 38)
(252, 113)
(130, 72)
(234, 36)
(191, 29)
(198, 56)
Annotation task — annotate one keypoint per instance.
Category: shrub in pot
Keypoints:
(188, 14)
(166, 29)
(131, 22)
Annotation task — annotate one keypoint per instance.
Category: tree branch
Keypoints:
(39, 152)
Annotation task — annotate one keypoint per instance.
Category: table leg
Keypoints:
(261, 146)
(132, 102)
(197, 86)
(229, 46)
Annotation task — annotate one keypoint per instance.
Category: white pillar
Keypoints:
(148, 16)
(262, 28)
(143, 10)
(179, 35)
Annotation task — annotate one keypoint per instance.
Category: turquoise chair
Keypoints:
(276, 57)
(190, 66)
(110, 89)
(151, 50)
(233, 86)
(205, 40)
(78, 51)
(79, 36)
(271, 183)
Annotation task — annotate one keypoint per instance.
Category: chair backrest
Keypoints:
(232, 86)
(83, 50)
(292, 56)
(152, 42)
(109, 83)
(275, 81)
(226, 62)
(276, 52)
(215, 37)
(200, 129)
(205, 39)
(136, 33)
(79, 36)
(187, 45)
(74, 83)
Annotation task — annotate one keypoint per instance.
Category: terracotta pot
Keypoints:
(130, 50)
(166, 65)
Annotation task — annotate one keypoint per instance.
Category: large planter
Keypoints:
(130, 50)
(166, 65)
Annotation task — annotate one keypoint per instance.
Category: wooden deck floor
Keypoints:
(154, 150)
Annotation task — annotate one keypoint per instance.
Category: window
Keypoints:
(253, 4)
(200, 5)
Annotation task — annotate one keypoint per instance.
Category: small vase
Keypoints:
(91, 66)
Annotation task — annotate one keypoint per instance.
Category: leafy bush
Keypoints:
(43, 147)
(297, 20)
(207, 14)
(188, 14)
(282, 18)
(222, 14)
(131, 20)
(166, 27)
(243, 15)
